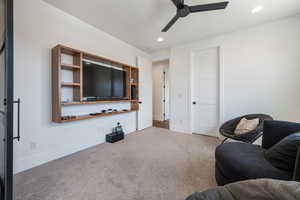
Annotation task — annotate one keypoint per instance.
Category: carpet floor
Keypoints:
(153, 164)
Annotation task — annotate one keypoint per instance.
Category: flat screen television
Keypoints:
(101, 82)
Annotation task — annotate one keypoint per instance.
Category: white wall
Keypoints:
(38, 28)
(160, 55)
(158, 91)
(260, 69)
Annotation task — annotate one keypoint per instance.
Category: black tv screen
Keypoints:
(103, 82)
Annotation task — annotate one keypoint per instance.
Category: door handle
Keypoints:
(194, 102)
(2, 117)
(140, 102)
(2, 47)
(18, 133)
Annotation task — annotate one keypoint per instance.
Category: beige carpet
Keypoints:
(154, 164)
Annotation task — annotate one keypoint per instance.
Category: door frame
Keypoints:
(9, 71)
(166, 93)
(221, 84)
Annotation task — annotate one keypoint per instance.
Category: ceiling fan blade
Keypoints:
(170, 23)
(178, 3)
(208, 7)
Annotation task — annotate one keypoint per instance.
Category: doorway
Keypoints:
(205, 76)
(161, 94)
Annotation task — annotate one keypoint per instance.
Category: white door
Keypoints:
(145, 93)
(205, 92)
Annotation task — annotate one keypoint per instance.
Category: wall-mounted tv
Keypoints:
(103, 82)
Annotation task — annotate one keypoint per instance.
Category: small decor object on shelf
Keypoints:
(68, 117)
(116, 135)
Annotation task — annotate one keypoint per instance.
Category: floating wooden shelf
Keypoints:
(75, 67)
(66, 84)
(70, 67)
(92, 102)
(83, 117)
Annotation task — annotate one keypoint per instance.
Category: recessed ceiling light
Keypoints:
(257, 9)
(160, 39)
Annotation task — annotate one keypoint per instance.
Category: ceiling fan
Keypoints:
(184, 10)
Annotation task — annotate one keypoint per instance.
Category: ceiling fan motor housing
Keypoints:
(184, 11)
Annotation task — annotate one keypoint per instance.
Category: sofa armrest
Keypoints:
(274, 131)
(296, 176)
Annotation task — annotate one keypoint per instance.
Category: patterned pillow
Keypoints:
(245, 126)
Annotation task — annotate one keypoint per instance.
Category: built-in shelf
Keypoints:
(66, 84)
(70, 67)
(94, 102)
(82, 117)
(76, 85)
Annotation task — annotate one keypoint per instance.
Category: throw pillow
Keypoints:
(283, 154)
(246, 125)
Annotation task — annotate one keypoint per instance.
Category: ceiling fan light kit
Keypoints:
(184, 10)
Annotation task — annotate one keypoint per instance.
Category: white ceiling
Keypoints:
(139, 22)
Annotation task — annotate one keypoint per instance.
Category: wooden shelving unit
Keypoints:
(134, 86)
(58, 67)
(93, 102)
(83, 117)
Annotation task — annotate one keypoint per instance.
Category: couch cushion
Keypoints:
(241, 161)
(283, 154)
(262, 189)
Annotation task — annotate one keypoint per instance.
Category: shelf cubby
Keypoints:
(70, 67)
(66, 84)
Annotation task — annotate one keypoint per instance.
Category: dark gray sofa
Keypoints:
(259, 189)
(237, 161)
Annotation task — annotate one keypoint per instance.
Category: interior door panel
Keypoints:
(145, 92)
(205, 92)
